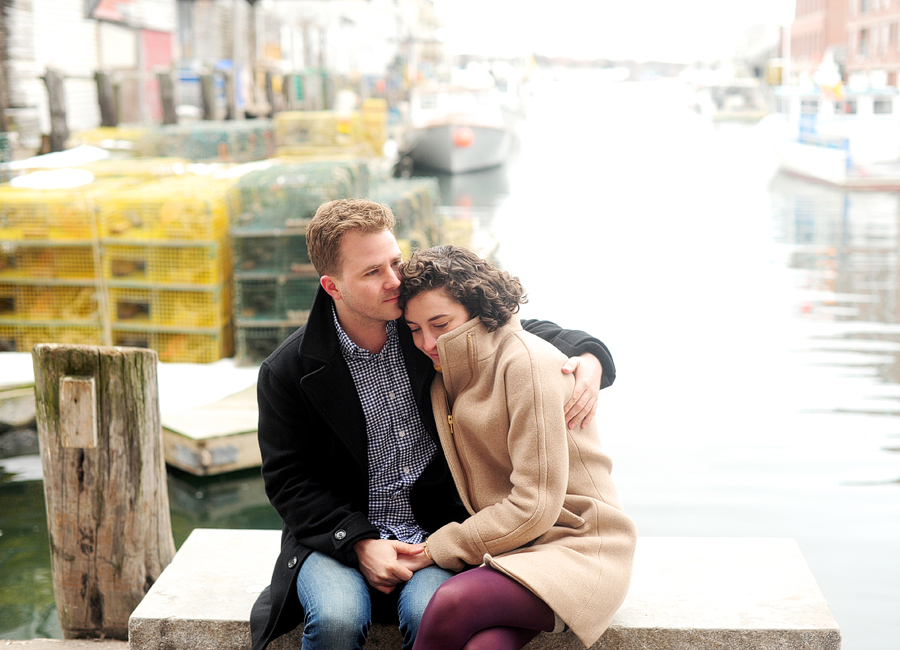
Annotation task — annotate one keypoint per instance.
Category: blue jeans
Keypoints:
(337, 603)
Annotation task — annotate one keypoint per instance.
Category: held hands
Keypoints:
(385, 563)
(416, 558)
(582, 406)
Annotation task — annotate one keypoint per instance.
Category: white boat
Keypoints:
(849, 138)
(723, 97)
(457, 128)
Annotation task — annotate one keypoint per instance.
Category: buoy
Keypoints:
(463, 137)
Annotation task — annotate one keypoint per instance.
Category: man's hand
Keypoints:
(415, 559)
(582, 406)
(380, 564)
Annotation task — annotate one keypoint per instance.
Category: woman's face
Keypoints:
(430, 314)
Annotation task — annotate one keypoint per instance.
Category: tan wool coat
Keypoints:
(544, 508)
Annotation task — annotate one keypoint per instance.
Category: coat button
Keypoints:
(292, 562)
(341, 534)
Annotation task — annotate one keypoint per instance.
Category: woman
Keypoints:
(547, 531)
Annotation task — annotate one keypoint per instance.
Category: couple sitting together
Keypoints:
(434, 459)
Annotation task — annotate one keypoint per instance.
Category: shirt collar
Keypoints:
(350, 349)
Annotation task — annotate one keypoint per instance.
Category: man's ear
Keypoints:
(328, 283)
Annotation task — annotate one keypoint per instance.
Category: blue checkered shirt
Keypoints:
(399, 445)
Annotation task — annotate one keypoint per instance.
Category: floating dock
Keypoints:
(208, 411)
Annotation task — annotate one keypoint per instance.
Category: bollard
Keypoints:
(104, 482)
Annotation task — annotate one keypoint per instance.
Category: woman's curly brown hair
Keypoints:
(485, 291)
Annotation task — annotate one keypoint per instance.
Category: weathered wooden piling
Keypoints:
(106, 95)
(208, 95)
(104, 482)
(56, 95)
(167, 96)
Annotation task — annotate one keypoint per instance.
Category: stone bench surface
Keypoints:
(686, 592)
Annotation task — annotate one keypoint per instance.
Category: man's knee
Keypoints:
(338, 624)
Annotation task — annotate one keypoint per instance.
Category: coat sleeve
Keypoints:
(538, 450)
(573, 343)
(305, 474)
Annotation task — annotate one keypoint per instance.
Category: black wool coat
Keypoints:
(312, 438)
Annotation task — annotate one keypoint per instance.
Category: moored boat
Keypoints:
(457, 128)
(849, 138)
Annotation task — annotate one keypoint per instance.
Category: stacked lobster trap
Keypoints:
(49, 259)
(166, 267)
(126, 262)
(274, 281)
(332, 133)
(197, 262)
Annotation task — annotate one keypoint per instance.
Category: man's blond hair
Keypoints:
(335, 219)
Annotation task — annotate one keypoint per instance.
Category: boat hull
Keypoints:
(833, 166)
(440, 147)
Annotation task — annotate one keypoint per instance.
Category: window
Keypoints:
(863, 6)
(863, 43)
(809, 106)
(882, 106)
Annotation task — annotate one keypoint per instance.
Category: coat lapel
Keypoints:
(328, 382)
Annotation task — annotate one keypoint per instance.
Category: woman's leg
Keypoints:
(478, 601)
(501, 638)
(414, 598)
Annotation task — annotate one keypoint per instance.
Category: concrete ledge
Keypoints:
(697, 593)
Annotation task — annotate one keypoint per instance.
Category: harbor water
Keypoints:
(754, 320)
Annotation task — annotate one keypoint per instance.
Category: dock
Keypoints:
(690, 592)
(208, 411)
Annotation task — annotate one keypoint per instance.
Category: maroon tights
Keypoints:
(482, 609)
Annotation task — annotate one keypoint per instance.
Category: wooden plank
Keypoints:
(78, 412)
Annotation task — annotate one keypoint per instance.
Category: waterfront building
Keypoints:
(819, 31)
(873, 46)
(257, 43)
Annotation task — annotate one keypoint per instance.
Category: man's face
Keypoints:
(368, 285)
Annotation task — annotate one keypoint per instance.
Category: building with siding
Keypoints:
(873, 46)
(818, 32)
(368, 44)
(129, 37)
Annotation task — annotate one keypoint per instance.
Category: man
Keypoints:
(351, 459)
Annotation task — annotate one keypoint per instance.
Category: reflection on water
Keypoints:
(236, 500)
(27, 607)
(754, 320)
(844, 247)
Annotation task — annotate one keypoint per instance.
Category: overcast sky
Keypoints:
(678, 30)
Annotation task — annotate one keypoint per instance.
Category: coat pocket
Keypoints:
(569, 519)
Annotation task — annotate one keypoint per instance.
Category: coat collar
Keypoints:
(321, 352)
(320, 340)
(462, 349)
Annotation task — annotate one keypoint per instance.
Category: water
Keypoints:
(754, 320)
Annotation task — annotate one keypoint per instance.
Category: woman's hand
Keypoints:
(582, 406)
(414, 558)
